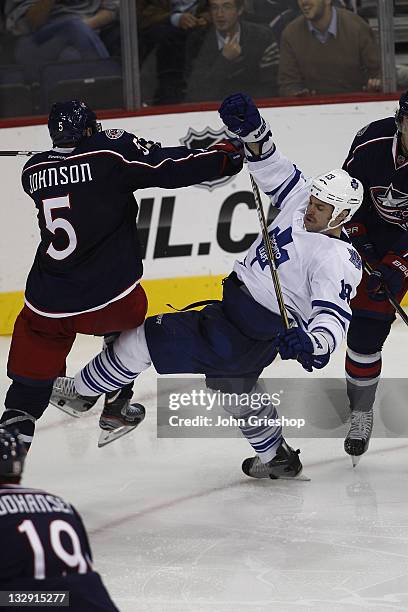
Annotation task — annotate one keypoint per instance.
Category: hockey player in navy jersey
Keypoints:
(44, 544)
(379, 230)
(86, 272)
(233, 341)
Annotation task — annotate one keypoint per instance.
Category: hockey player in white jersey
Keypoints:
(231, 342)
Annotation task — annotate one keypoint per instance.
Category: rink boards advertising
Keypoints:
(191, 236)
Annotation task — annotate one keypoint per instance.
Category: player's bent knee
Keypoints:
(367, 336)
(131, 349)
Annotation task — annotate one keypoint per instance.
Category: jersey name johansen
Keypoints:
(28, 503)
(61, 175)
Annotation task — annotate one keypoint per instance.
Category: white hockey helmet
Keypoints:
(340, 190)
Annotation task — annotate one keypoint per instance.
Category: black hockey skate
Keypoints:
(119, 416)
(358, 438)
(285, 465)
(65, 397)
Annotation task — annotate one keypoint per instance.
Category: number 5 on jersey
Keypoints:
(53, 225)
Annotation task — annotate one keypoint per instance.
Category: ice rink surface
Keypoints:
(176, 527)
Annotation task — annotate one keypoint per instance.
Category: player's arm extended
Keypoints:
(276, 175)
(173, 167)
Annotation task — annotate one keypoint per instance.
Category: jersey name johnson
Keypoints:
(59, 175)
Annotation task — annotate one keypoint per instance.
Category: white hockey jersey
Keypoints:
(319, 274)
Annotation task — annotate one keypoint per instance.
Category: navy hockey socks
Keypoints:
(24, 405)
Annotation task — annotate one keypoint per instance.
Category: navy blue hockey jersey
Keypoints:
(44, 546)
(376, 159)
(89, 254)
(36, 527)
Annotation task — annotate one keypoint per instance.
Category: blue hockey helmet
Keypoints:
(402, 110)
(68, 121)
(12, 455)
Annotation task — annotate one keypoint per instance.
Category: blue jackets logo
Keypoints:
(279, 240)
(203, 140)
(391, 205)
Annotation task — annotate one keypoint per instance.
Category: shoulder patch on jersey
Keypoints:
(363, 130)
(355, 259)
(114, 134)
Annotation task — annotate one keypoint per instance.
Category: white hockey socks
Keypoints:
(115, 367)
(263, 429)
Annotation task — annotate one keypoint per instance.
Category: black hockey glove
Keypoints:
(392, 271)
(234, 155)
(357, 233)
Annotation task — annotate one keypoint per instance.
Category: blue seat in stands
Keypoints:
(99, 82)
(15, 94)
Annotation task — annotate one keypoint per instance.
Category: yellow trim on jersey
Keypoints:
(175, 291)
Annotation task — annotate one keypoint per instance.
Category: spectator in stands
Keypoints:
(186, 16)
(50, 30)
(327, 50)
(153, 17)
(276, 14)
(234, 55)
(164, 27)
(153, 21)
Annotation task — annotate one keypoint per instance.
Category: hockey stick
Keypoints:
(368, 269)
(269, 252)
(18, 153)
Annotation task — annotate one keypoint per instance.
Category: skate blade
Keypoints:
(68, 410)
(355, 460)
(298, 477)
(106, 437)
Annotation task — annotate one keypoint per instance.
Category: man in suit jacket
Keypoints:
(234, 55)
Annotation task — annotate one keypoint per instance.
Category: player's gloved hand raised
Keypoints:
(357, 233)
(241, 116)
(392, 273)
(311, 350)
(234, 155)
